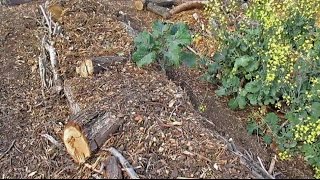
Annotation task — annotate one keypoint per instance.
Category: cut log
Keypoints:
(160, 7)
(188, 6)
(142, 4)
(159, 10)
(87, 131)
(98, 64)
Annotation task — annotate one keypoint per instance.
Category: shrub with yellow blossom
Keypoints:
(272, 57)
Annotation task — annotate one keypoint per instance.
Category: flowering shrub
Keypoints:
(271, 56)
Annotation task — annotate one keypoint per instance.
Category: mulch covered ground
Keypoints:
(162, 136)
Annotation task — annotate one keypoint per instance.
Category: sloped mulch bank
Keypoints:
(162, 134)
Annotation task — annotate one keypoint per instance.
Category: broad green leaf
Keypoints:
(248, 76)
(143, 39)
(242, 61)
(292, 118)
(213, 68)
(241, 102)
(221, 91)
(218, 57)
(267, 139)
(291, 145)
(253, 86)
(181, 34)
(232, 81)
(253, 98)
(149, 58)
(233, 104)
(272, 120)
(243, 47)
(252, 127)
(173, 55)
(243, 93)
(315, 109)
(252, 66)
(159, 28)
(308, 150)
(140, 53)
(188, 58)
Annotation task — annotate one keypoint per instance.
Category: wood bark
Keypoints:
(112, 168)
(73, 105)
(160, 7)
(142, 4)
(159, 10)
(87, 131)
(98, 64)
(187, 6)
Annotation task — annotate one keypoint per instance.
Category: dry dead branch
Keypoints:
(125, 164)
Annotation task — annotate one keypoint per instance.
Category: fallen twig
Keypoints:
(233, 146)
(47, 20)
(128, 168)
(93, 169)
(273, 162)
(262, 166)
(10, 147)
(54, 64)
(194, 52)
(51, 139)
(246, 159)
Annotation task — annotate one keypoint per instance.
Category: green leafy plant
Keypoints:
(164, 45)
(271, 57)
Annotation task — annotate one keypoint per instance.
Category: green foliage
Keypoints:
(165, 44)
(272, 57)
(267, 127)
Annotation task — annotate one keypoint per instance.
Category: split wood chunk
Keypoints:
(87, 131)
(98, 64)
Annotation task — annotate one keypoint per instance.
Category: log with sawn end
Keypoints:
(142, 4)
(87, 131)
(98, 64)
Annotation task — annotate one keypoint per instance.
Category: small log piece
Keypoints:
(142, 4)
(161, 7)
(159, 10)
(98, 64)
(187, 6)
(87, 131)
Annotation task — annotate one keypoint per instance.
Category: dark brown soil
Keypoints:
(141, 96)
